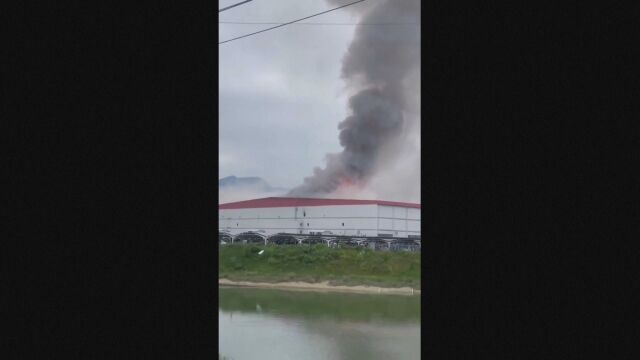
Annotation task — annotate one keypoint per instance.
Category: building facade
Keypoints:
(366, 218)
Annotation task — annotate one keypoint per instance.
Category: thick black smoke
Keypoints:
(376, 66)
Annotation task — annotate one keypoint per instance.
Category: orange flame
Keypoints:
(346, 183)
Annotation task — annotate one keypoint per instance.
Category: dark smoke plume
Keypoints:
(376, 65)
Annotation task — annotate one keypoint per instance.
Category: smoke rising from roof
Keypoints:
(381, 68)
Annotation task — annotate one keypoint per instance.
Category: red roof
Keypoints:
(293, 202)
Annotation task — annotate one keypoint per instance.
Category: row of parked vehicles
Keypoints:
(374, 243)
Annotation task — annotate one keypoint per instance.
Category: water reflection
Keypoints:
(275, 324)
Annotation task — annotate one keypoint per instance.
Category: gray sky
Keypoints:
(281, 96)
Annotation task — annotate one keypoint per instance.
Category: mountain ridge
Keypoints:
(254, 182)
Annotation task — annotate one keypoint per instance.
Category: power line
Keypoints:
(314, 23)
(234, 5)
(291, 22)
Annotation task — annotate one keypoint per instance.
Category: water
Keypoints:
(275, 324)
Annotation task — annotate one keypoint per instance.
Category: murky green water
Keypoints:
(274, 324)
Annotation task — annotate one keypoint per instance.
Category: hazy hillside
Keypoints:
(233, 188)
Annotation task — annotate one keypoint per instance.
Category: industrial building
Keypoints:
(327, 217)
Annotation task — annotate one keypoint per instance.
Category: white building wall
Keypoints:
(339, 219)
(398, 221)
(357, 220)
(413, 227)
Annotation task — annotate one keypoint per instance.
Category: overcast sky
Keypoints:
(281, 96)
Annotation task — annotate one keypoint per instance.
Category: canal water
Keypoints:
(277, 324)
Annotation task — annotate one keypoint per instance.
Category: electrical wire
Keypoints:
(234, 5)
(314, 23)
(290, 22)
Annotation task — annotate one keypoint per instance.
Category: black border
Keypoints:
(113, 168)
(529, 179)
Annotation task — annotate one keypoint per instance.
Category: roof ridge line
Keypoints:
(295, 201)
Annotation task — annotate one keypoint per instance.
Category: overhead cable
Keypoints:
(290, 22)
(234, 5)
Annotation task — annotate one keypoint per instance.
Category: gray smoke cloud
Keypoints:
(380, 63)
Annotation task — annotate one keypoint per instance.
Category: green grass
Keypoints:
(319, 263)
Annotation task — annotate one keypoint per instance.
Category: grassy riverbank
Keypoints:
(319, 263)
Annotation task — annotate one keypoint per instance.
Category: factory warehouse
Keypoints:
(314, 216)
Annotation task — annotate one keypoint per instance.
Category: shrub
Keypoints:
(306, 259)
